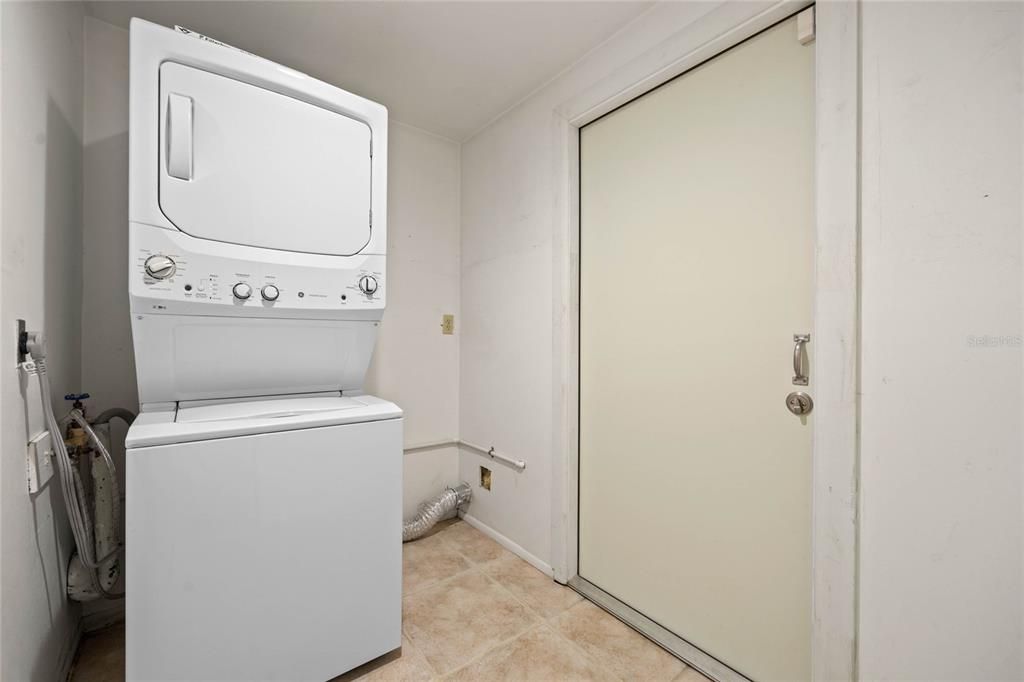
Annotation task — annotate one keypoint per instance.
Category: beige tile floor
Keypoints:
(473, 611)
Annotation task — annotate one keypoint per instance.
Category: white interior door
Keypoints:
(696, 271)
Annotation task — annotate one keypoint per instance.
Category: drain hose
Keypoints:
(438, 508)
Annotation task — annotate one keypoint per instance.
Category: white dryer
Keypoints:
(263, 522)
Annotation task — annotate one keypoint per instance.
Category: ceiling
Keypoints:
(447, 67)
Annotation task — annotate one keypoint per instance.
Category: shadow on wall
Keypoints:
(61, 323)
(108, 372)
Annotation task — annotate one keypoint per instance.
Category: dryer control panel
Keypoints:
(172, 272)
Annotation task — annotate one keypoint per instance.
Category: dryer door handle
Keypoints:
(179, 136)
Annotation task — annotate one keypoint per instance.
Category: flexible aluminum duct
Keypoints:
(443, 506)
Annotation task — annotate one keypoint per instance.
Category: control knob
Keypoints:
(368, 284)
(160, 267)
(270, 292)
(242, 291)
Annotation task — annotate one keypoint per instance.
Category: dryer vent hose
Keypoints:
(443, 506)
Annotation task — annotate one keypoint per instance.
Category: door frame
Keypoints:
(835, 360)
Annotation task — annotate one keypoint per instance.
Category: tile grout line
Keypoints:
(576, 645)
(477, 567)
(436, 675)
(543, 622)
(539, 622)
(452, 546)
(532, 625)
(584, 600)
(516, 599)
(427, 586)
(483, 654)
(547, 622)
(473, 567)
(416, 649)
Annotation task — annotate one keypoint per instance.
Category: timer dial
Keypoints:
(160, 267)
(242, 291)
(368, 284)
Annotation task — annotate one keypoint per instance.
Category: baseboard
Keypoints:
(66, 659)
(541, 566)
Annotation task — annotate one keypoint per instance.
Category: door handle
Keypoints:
(799, 376)
(179, 136)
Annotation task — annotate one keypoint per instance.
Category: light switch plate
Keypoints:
(39, 461)
(447, 324)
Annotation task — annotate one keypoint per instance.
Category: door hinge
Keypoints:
(805, 26)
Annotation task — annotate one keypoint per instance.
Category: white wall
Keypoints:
(941, 557)
(108, 369)
(941, 516)
(941, 562)
(509, 386)
(42, 274)
(413, 365)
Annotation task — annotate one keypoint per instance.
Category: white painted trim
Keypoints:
(506, 543)
(835, 361)
(421, 131)
(836, 297)
(724, 25)
(565, 342)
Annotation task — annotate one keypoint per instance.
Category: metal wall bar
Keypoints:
(517, 464)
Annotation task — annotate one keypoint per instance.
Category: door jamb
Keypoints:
(835, 448)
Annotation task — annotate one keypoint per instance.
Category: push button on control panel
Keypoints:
(160, 267)
(270, 292)
(368, 284)
(242, 291)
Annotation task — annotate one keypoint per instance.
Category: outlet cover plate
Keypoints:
(39, 462)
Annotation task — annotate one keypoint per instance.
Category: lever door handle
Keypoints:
(799, 376)
(179, 136)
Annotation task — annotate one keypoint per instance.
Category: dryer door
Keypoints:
(245, 165)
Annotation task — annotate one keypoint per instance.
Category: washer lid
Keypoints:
(275, 408)
(210, 419)
(245, 165)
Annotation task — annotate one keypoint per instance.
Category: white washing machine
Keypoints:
(263, 517)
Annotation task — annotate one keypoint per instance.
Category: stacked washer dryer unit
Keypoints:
(264, 489)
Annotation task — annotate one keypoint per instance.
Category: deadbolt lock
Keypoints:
(799, 403)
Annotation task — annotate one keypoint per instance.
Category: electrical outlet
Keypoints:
(447, 324)
(485, 478)
(22, 342)
(39, 462)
